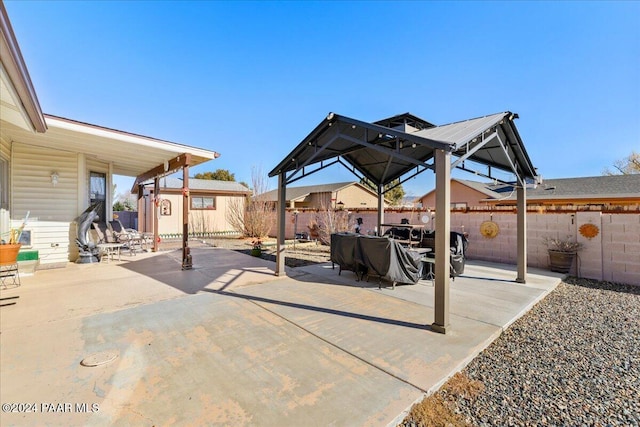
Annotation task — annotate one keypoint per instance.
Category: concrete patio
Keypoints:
(229, 343)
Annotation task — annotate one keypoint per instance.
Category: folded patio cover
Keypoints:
(388, 259)
(343, 251)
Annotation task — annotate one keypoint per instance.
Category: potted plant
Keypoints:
(9, 253)
(9, 250)
(562, 253)
(256, 247)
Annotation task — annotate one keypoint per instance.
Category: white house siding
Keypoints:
(51, 208)
(5, 149)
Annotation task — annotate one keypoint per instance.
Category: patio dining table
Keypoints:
(409, 227)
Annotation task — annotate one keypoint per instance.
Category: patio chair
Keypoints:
(130, 237)
(121, 233)
(104, 233)
(458, 244)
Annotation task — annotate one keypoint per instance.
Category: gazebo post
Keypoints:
(380, 209)
(282, 188)
(521, 194)
(443, 227)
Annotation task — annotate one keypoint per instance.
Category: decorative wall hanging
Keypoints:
(165, 207)
(589, 230)
(489, 229)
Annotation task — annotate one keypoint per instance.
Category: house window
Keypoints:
(203, 202)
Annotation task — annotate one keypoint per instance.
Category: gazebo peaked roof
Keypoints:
(491, 140)
(383, 154)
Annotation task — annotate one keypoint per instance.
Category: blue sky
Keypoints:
(251, 79)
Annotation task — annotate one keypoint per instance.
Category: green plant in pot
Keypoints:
(256, 247)
(562, 252)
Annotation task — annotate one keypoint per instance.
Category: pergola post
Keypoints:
(521, 194)
(154, 206)
(282, 195)
(186, 251)
(443, 227)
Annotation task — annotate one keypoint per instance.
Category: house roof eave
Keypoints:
(18, 73)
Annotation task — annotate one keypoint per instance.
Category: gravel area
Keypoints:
(573, 360)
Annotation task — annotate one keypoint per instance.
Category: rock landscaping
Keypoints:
(573, 360)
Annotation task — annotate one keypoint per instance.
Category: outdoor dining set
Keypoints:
(405, 253)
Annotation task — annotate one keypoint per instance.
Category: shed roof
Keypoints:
(204, 184)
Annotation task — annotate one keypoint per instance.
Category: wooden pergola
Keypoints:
(396, 149)
(171, 166)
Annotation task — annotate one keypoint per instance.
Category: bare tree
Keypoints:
(327, 221)
(627, 166)
(235, 213)
(199, 223)
(254, 216)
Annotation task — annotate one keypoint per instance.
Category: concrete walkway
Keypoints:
(228, 343)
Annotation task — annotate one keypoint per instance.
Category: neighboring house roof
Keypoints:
(594, 187)
(481, 187)
(298, 193)
(478, 186)
(20, 104)
(204, 185)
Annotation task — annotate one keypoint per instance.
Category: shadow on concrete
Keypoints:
(225, 276)
(383, 320)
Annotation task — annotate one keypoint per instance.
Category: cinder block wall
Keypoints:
(614, 254)
(621, 248)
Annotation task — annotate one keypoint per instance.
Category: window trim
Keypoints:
(202, 196)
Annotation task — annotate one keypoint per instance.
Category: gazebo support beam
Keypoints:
(380, 208)
(280, 247)
(443, 227)
(521, 194)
